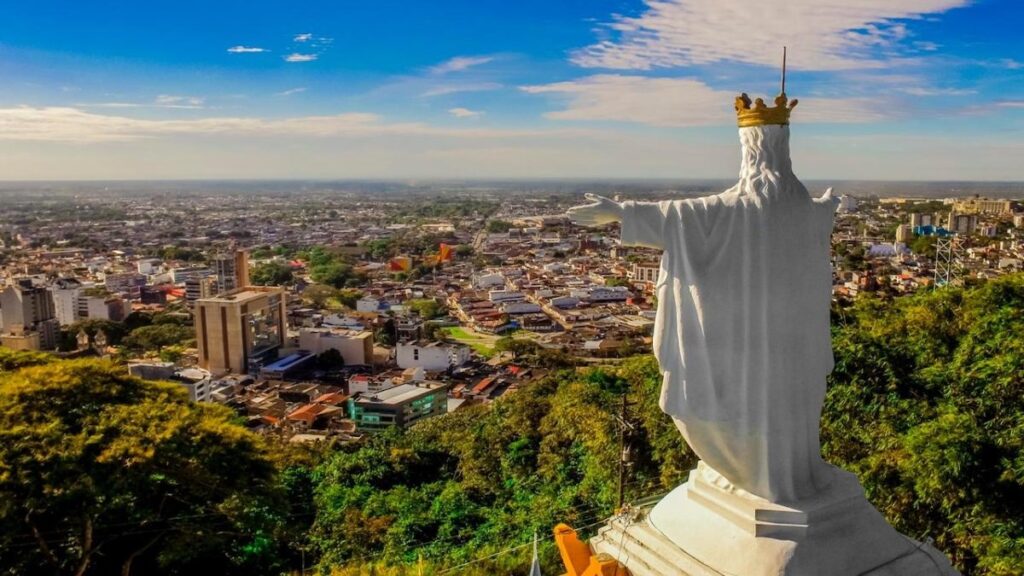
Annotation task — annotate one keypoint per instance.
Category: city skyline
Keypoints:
(901, 90)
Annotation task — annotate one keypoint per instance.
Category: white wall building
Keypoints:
(367, 304)
(435, 356)
(355, 347)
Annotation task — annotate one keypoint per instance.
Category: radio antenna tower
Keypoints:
(947, 261)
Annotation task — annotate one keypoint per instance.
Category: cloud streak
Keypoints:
(162, 101)
(821, 34)
(72, 125)
(246, 50)
(460, 63)
(678, 102)
(464, 113)
(298, 57)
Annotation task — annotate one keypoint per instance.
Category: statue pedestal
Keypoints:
(708, 528)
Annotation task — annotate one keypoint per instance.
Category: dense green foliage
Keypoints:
(104, 473)
(330, 267)
(926, 405)
(426, 308)
(272, 274)
(482, 479)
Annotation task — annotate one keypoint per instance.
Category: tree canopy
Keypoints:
(272, 274)
(101, 473)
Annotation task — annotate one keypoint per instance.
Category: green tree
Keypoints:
(272, 274)
(427, 308)
(516, 346)
(924, 246)
(336, 274)
(154, 338)
(498, 226)
(318, 295)
(103, 473)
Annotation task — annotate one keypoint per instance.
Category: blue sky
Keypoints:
(889, 89)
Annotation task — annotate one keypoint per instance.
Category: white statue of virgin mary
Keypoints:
(742, 338)
(742, 331)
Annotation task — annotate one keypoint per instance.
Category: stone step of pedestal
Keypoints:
(645, 551)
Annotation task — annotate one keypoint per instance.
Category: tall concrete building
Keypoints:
(232, 270)
(65, 293)
(200, 286)
(904, 233)
(29, 317)
(962, 223)
(237, 329)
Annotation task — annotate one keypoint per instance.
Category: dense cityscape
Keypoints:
(338, 312)
(461, 288)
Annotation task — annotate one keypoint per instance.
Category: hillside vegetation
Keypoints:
(926, 405)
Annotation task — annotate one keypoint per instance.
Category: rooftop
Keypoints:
(398, 394)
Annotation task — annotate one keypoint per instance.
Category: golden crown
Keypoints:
(757, 113)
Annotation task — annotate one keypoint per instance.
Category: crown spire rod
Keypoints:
(783, 69)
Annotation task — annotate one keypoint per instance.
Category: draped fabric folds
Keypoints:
(742, 330)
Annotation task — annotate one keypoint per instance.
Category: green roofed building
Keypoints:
(400, 406)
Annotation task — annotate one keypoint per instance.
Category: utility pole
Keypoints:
(626, 428)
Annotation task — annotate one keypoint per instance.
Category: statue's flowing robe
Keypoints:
(742, 329)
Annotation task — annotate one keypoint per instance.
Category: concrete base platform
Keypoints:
(707, 528)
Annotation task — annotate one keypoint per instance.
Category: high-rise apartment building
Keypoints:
(200, 286)
(232, 270)
(236, 330)
(29, 318)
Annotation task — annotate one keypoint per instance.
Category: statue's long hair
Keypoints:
(765, 166)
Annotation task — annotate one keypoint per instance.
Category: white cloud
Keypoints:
(1011, 104)
(306, 37)
(66, 124)
(820, 34)
(460, 63)
(171, 100)
(296, 57)
(444, 89)
(161, 101)
(924, 91)
(1011, 64)
(678, 102)
(464, 113)
(246, 50)
(292, 91)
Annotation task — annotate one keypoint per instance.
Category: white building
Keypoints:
(102, 308)
(197, 381)
(367, 304)
(147, 266)
(435, 356)
(520, 308)
(65, 300)
(484, 281)
(847, 203)
(498, 296)
(608, 294)
(355, 347)
(645, 272)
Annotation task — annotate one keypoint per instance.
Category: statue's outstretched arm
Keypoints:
(599, 212)
(643, 223)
